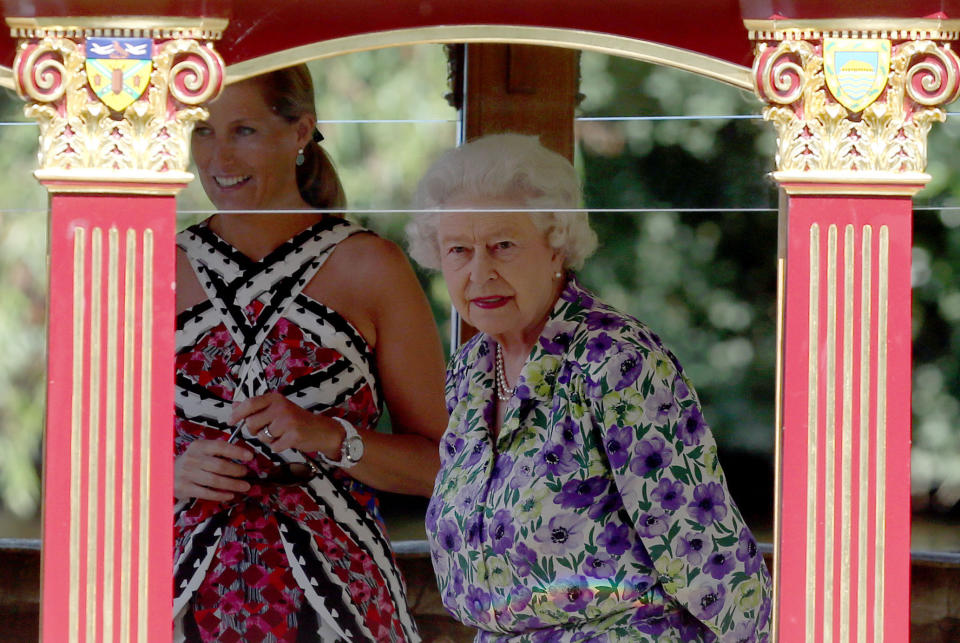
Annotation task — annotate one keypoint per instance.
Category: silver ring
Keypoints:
(266, 432)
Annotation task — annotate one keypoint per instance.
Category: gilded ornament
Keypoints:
(126, 121)
(848, 109)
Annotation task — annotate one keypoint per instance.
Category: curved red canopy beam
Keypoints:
(711, 27)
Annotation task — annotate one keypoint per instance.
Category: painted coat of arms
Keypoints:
(856, 71)
(118, 69)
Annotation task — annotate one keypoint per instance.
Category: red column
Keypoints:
(108, 478)
(843, 542)
(112, 168)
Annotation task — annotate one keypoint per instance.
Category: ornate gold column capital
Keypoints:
(853, 105)
(116, 99)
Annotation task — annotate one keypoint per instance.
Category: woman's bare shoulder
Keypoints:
(369, 255)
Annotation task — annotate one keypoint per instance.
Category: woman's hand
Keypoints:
(282, 425)
(206, 470)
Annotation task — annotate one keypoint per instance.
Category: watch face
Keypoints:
(353, 448)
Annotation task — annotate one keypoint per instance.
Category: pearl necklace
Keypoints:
(503, 393)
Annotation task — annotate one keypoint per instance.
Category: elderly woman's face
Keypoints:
(246, 154)
(499, 269)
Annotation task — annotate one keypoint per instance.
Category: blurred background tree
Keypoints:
(674, 168)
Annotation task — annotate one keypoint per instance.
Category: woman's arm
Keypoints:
(663, 457)
(370, 281)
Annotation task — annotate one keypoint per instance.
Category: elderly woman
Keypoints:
(579, 496)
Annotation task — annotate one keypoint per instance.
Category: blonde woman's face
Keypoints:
(246, 154)
(498, 267)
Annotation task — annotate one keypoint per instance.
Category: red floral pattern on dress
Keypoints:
(249, 592)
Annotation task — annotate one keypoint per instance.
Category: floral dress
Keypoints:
(600, 512)
(302, 563)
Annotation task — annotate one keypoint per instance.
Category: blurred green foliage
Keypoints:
(692, 254)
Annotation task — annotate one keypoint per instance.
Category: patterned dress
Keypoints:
(301, 563)
(600, 513)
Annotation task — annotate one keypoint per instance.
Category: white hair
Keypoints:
(504, 166)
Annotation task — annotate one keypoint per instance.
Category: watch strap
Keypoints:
(350, 433)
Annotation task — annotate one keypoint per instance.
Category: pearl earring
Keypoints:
(557, 274)
(300, 157)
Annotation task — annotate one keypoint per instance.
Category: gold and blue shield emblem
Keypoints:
(856, 71)
(118, 69)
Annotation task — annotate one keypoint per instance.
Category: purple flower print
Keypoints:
(569, 432)
(680, 389)
(449, 535)
(575, 295)
(572, 594)
(763, 614)
(649, 619)
(640, 553)
(707, 601)
(610, 503)
(577, 494)
(452, 445)
(458, 579)
(598, 346)
(522, 392)
(691, 546)
(719, 564)
(522, 474)
(473, 529)
(485, 353)
(489, 412)
(478, 604)
(599, 567)
(466, 499)
(555, 343)
(562, 534)
(541, 634)
(690, 629)
(636, 586)
(433, 514)
(691, 426)
(708, 503)
(502, 531)
(617, 444)
(591, 388)
(615, 539)
(669, 493)
(747, 552)
(600, 320)
(476, 452)
(502, 465)
(660, 406)
(587, 637)
(555, 460)
(523, 559)
(651, 455)
(626, 365)
(652, 523)
(520, 598)
(742, 633)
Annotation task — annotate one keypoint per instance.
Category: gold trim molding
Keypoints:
(87, 146)
(887, 138)
(852, 183)
(643, 50)
(159, 27)
(816, 29)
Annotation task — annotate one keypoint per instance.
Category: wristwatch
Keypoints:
(351, 449)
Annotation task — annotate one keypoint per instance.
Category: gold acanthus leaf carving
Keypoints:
(79, 132)
(816, 133)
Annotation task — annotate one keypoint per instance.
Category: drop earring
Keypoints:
(300, 157)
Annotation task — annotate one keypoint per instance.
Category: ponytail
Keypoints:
(289, 93)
